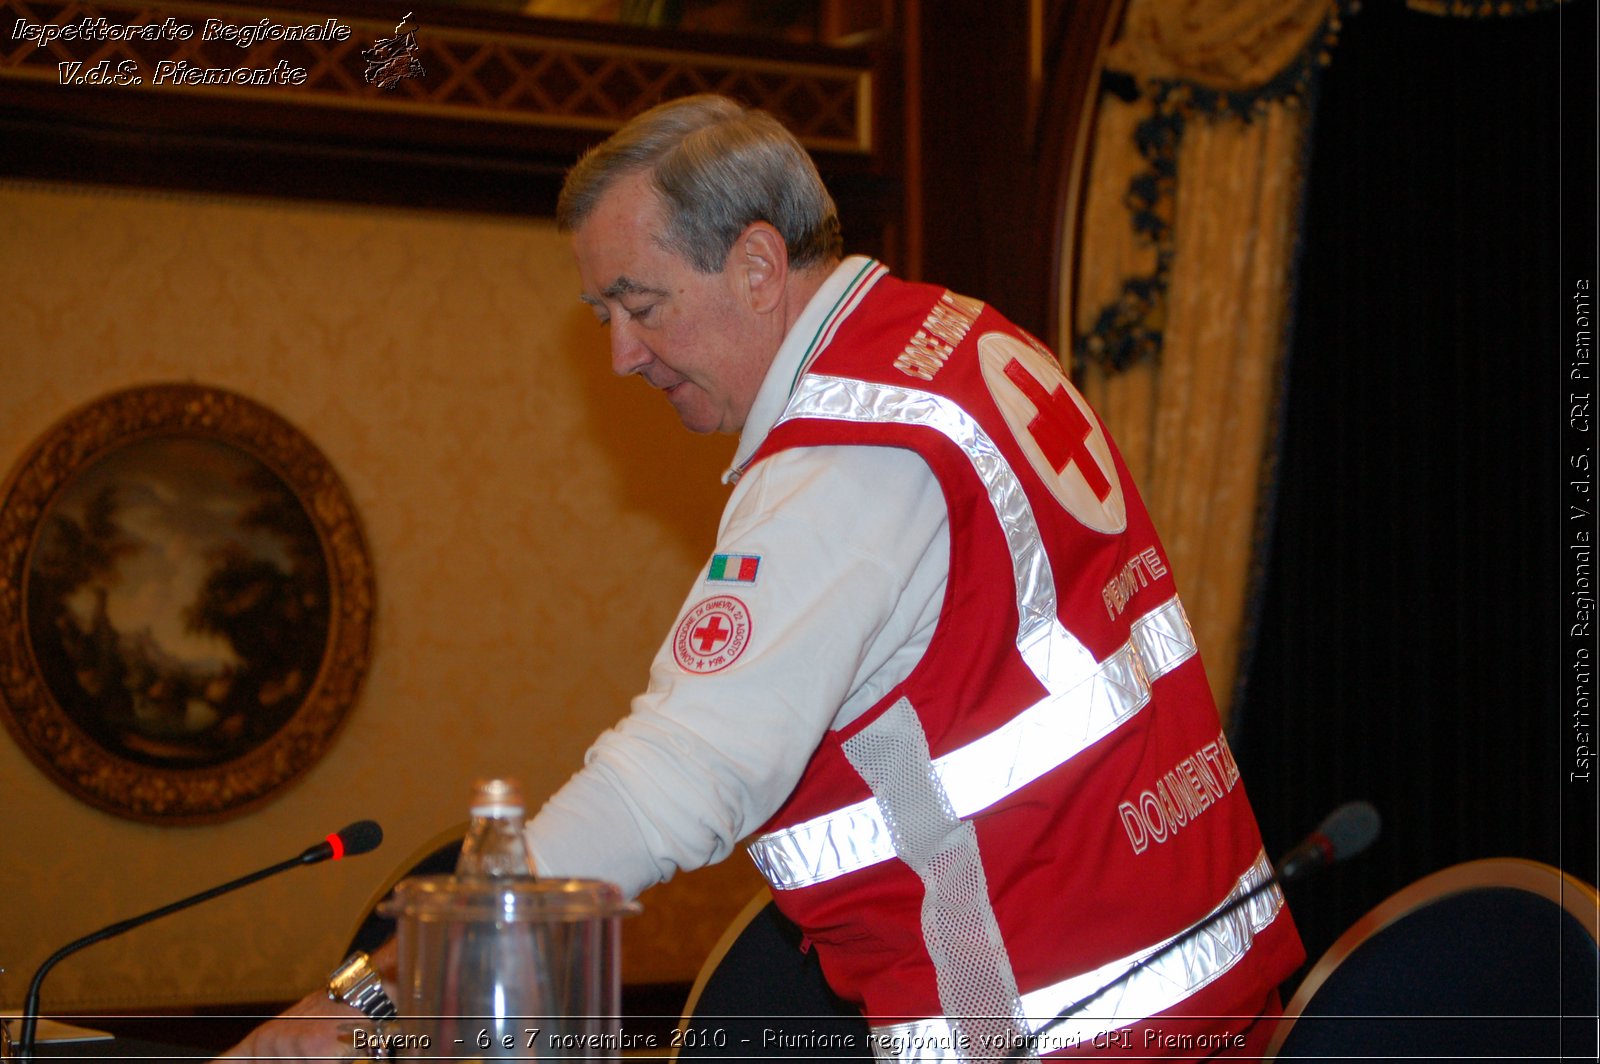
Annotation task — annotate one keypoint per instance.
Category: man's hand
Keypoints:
(317, 1028)
(313, 1029)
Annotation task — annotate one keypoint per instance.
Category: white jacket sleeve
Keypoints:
(852, 552)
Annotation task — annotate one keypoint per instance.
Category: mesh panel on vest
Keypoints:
(977, 988)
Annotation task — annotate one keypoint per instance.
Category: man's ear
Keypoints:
(762, 259)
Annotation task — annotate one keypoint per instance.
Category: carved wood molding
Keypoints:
(505, 104)
(472, 75)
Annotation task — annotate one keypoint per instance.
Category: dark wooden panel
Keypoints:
(1005, 94)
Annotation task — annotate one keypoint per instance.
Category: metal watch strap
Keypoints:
(357, 983)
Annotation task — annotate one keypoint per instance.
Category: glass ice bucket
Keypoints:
(508, 968)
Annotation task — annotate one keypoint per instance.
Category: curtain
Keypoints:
(1184, 276)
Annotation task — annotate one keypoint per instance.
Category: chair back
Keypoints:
(436, 857)
(1492, 959)
(761, 994)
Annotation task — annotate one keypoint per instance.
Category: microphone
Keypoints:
(1343, 833)
(361, 837)
(352, 840)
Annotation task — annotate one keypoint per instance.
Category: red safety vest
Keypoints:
(1048, 797)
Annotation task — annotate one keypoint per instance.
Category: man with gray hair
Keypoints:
(935, 674)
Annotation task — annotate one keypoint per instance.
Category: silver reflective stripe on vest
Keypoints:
(1087, 699)
(1042, 737)
(1172, 971)
(971, 967)
(1163, 638)
(1054, 654)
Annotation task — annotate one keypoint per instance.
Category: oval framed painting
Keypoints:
(186, 603)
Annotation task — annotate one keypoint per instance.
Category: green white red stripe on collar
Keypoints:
(869, 273)
(848, 300)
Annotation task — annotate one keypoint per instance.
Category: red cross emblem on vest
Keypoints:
(1065, 446)
(1060, 429)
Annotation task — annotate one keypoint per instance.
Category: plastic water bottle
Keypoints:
(496, 962)
(495, 845)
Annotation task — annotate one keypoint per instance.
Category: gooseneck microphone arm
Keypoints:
(1343, 833)
(1233, 906)
(357, 838)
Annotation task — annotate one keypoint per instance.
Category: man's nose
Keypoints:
(628, 355)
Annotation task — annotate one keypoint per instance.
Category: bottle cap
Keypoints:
(497, 797)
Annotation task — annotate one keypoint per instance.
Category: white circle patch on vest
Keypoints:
(712, 634)
(1056, 430)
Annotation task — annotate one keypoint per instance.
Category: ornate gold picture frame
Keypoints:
(186, 603)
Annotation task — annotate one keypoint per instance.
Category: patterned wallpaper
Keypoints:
(533, 522)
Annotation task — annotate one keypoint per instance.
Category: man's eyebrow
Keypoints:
(622, 286)
(625, 286)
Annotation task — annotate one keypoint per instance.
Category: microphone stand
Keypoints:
(1345, 832)
(1232, 906)
(30, 1010)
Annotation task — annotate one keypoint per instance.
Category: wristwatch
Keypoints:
(356, 983)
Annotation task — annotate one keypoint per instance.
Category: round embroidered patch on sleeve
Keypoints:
(712, 634)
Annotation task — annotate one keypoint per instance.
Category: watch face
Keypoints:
(349, 975)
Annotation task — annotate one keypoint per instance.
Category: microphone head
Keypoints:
(363, 836)
(1349, 829)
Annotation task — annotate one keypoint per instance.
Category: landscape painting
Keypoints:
(195, 603)
(178, 602)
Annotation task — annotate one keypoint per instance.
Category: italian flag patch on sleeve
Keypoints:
(733, 568)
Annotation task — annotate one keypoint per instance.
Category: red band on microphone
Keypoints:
(338, 845)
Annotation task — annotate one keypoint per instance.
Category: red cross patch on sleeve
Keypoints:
(711, 635)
